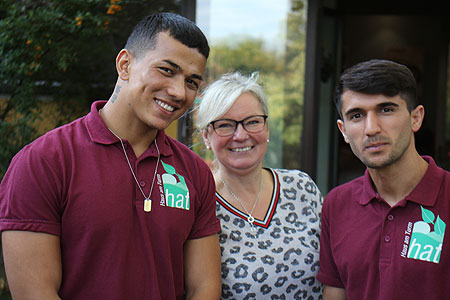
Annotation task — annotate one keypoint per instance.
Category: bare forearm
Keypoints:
(202, 269)
(211, 292)
(333, 293)
(32, 264)
(33, 294)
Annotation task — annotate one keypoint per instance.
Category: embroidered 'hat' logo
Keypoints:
(175, 188)
(425, 244)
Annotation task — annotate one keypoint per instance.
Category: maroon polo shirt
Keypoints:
(75, 182)
(375, 251)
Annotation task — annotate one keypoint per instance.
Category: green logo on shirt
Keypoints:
(426, 244)
(175, 188)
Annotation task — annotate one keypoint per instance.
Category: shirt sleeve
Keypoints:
(29, 193)
(328, 271)
(206, 222)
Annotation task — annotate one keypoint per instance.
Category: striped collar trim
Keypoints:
(270, 212)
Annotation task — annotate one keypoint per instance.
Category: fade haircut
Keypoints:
(143, 37)
(378, 76)
(219, 96)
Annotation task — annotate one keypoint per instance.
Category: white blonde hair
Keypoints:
(219, 96)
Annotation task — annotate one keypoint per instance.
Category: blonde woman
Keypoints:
(270, 217)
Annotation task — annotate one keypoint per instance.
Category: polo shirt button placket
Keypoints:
(387, 238)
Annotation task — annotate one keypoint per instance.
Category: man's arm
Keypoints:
(32, 264)
(333, 293)
(202, 273)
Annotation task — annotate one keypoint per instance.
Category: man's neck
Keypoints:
(117, 121)
(393, 183)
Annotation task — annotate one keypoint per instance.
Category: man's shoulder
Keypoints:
(55, 139)
(344, 199)
(347, 188)
(51, 150)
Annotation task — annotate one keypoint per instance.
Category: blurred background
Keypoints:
(57, 57)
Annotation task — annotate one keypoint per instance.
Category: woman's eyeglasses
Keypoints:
(227, 127)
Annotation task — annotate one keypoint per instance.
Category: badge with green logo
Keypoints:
(175, 188)
(426, 244)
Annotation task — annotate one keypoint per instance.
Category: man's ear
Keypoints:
(123, 61)
(417, 116)
(341, 127)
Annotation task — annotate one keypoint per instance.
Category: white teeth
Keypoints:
(165, 106)
(241, 149)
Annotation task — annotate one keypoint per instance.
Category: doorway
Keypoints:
(415, 35)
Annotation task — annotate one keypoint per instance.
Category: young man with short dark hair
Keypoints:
(109, 206)
(383, 234)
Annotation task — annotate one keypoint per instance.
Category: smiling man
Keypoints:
(383, 234)
(108, 206)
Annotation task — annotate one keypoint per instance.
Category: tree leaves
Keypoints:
(62, 51)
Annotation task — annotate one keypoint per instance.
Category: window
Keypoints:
(269, 37)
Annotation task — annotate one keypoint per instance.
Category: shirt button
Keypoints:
(390, 217)
(142, 183)
(387, 239)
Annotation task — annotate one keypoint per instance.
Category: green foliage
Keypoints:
(245, 54)
(39, 42)
(282, 76)
(294, 86)
(61, 51)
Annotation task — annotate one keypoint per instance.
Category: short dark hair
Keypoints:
(378, 76)
(180, 28)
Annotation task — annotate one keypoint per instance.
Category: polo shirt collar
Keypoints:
(368, 192)
(99, 132)
(429, 185)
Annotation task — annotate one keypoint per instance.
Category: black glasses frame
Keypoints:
(236, 123)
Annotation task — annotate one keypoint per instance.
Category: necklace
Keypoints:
(250, 217)
(147, 200)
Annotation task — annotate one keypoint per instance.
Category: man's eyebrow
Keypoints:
(174, 65)
(379, 105)
(352, 111)
(388, 103)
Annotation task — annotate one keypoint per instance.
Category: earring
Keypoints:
(268, 140)
(208, 147)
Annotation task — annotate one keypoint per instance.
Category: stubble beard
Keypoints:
(396, 153)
